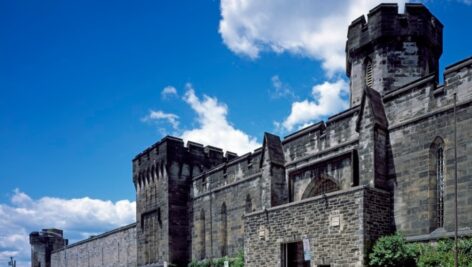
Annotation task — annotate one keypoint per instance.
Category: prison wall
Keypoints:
(234, 185)
(420, 114)
(116, 248)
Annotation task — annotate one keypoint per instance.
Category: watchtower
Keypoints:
(390, 49)
(42, 245)
(162, 175)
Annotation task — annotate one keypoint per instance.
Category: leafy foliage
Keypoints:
(237, 261)
(442, 253)
(395, 251)
(392, 251)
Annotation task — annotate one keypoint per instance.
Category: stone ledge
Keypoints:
(436, 235)
(116, 230)
(319, 197)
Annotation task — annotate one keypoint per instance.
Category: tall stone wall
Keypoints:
(419, 114)
(321, 139)
(337, 226)
(235, 184)
(208, 231)
(116, 248)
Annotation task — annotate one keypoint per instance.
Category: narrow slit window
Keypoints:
(368, 74)
(440, 186)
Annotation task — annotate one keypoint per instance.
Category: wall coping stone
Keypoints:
(458, 65)
(214, 190)
(429, 114)
(319, 197)
(412, 85)
(102, 235)
(325, 151)
(436, 235)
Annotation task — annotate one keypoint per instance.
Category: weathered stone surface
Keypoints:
(116, 248)
(339, 184)
(340, 227)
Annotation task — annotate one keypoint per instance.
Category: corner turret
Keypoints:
(390, 49)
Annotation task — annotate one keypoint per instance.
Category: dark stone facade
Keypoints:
(386, 164)
(340, 227)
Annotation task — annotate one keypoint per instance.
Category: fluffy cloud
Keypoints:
(79, 218)
(280, 89)
(328, 98)
(168, 91)
(213, 126)
(162, 116)
(315, 29)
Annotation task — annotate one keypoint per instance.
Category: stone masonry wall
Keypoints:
(116, 248)
(335, 224)
(162, 175)
(239, 198)
(321, 140)
(418, 114)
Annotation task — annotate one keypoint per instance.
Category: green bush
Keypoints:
(393, 251)
(442, 254)
(237, 261)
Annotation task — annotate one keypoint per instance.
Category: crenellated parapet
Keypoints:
(385, 24)
(149, 165)
(236, 169)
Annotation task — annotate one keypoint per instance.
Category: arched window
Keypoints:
(248, 206)
(202, 234)
(437, 183)
(321, 184)
(224, 231)
(369, 80)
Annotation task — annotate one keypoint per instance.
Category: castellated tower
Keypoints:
(162, 175)
(43, 243)
(392, 49)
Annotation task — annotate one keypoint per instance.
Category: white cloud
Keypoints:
(328, 98)
(77, 217)
(168, 91)
(280, 89)
(213, 126)
(160, 115)
(314, 29)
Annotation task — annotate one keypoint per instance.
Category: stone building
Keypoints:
(320, 196)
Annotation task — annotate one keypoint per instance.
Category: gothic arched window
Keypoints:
(437, 183)
(224, 231)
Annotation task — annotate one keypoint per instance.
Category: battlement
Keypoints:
(45, 235)
(149, 165)
(384, 24)
(177, 144)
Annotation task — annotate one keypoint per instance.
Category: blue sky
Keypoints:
(82, 88)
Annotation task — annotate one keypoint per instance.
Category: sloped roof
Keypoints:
(274, 148)
(376, 107)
